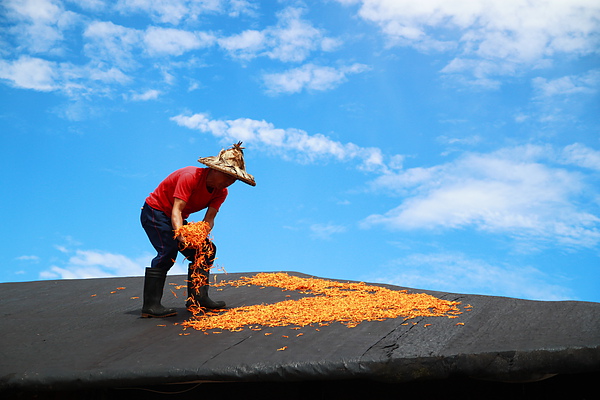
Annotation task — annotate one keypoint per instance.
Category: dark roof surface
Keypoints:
(69, 334)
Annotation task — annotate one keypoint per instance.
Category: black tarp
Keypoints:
(73, 334)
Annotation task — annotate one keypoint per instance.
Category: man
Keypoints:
(182, 193)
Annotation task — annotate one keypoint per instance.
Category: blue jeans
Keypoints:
(159, 229)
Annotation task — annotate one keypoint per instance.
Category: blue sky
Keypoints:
(443, 144)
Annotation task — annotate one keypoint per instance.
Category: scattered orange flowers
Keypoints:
(326, 301)
(195, 235)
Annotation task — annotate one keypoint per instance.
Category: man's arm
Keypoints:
(210, 215)
(176, 217)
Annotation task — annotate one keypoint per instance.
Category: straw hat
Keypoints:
(231, 162)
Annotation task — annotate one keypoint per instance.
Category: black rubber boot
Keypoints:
(207, 302)
(200, 297)
(154, 284)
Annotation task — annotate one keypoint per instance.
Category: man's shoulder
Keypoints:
(190, 171)
(190, 168)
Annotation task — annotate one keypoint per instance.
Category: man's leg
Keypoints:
(158, 228)
(199, 277)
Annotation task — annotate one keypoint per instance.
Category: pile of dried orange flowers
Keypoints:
(326, 301)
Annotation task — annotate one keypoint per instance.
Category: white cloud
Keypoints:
(509, 191)
(293, 143)
(325, 231)
(114, 52)
(121, 47)
(467, 141)
(150, 94)
(46, 76)
(161, 41)
(456, 273)
(489, 37)
(62, 249)
(92, 5)
(241, 7)
(30, 73)
(177, 11)
(41, 23)
(291, 40)
(98, 264)
(245, 45)
(108, 75)
(582, 156)
(28, 258)
(481, 70)
(310, 77)
(568, 85)
(111, 43)
(166, 11)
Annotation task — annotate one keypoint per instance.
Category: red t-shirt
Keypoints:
(189, 185)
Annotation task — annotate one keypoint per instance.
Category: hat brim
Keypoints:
(249, 179)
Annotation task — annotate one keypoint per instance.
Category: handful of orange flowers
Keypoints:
(196, 236)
